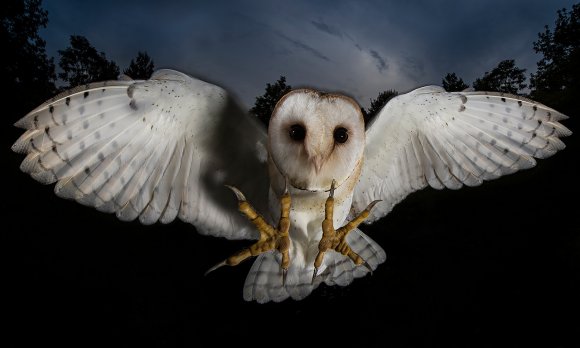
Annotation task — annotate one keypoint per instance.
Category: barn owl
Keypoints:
(175, 146)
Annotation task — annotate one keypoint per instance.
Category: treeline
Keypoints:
(556, 82)
(31, 76)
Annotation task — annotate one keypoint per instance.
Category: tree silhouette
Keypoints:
(557, 80)
(505, 78)
(141, 67)
(28, 74)
(82, 64)
(378, 103)
(265, 104)
(452, 83)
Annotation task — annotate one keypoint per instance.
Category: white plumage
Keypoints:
(165, 147)
(149, 149)
(447, 140)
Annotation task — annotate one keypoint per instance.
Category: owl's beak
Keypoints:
(317, 153)
(318, 161)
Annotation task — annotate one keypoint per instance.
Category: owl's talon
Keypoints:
(314, 275)
(336, 239)
(332, 187)
(239, 195)
(216, 266)
(371, 205)
(366, 264)
(271, 238)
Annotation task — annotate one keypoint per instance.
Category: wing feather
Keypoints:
(430, 137)
(163, 187)
(151, 150)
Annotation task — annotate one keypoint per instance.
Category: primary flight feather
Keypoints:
(170, 146)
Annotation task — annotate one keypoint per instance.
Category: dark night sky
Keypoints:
(492, 266)
(357, 47)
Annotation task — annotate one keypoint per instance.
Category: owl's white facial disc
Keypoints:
(314, 138)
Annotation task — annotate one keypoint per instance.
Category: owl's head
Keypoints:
(315, 137)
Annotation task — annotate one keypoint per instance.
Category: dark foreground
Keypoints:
(497, 265)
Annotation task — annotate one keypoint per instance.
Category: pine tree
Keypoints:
(141, 67)
(557, 80)
(506, 77)
(452, 83)
(27, 72)
(82, 64)
(378, 104)
(265, 104)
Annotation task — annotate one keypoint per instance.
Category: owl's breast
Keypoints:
(308, 208)
(307, 212)
(306, 215)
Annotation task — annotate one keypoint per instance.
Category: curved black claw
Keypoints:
(335, 239)
(314, 274)
(216, 266)
(332, 188)
(239, 195)
(366, 264)
(271, 238)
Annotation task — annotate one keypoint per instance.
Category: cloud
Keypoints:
(305, 47)
(325, 28)
(243, 46)
(381, 64)
(414, 67)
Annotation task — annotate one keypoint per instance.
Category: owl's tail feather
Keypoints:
(264, 281)
(340, 270)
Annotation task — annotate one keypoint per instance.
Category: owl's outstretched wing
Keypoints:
(432, 137)
(153, 149)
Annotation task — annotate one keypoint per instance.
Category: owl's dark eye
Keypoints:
(340, 135)
(297, 132)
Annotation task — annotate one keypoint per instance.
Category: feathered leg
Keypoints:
(336, 239)
(271, 238)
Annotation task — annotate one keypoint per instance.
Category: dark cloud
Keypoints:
(305, 47)
(381, 64)
(243, 46)
(414, 67)
(325, 28)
